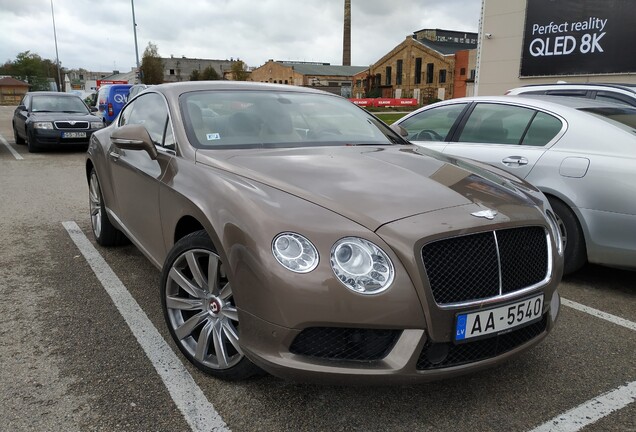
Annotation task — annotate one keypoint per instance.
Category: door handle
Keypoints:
(515, 161)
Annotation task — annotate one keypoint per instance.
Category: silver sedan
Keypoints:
(581, 153)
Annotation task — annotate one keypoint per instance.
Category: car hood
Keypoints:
(372, 185)
(60, 116)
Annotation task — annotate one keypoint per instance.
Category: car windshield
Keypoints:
(248, 119)
(53, 103)
(623, 117)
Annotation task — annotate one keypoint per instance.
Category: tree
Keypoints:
(239, 71)
(209, 73)
(31, 68)
(151, 65)
(195, 75)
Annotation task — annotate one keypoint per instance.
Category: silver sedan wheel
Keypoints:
(95, 202)
(201, 311)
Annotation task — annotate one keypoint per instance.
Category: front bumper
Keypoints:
(407, 361)
(44, 138)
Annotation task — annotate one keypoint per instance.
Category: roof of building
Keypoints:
(324, 69)
(446, 48)
(10, 81)
(126, 76)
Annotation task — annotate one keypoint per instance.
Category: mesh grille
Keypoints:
(479, 350)
(524, 257)
(69, 125)
(467, 268)
(344, 343)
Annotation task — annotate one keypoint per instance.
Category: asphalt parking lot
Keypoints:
(83, 344)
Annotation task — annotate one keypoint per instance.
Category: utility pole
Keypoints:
(346, 40)
(132, 4)
(57, 57)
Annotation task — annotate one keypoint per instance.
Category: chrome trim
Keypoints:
(511, 295)
(494, 234)
(73, 126)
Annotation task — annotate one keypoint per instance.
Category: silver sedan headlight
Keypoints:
(43, 125)
(361, 266)
(295, 252)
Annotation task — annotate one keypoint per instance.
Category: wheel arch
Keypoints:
(186, 225)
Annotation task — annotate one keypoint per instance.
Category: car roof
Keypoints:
(51, 93)
(175, 89)
(541, 101)
(623, 86)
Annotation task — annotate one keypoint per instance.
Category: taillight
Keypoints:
(110, 109)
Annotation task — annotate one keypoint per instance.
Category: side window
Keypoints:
(543, 128)
(615, 98)
(124, 117)
(150, 110)
(496, 124)
(433, 124)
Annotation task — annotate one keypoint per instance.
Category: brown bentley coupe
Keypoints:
(299, 235)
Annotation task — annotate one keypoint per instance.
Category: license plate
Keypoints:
(481, 323)
(73, 134)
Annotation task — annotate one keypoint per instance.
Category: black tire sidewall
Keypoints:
(575, 254)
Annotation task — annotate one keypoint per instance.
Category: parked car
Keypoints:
(298, 234)
(111, 98)
(136, 89)
(624, 94)
(579, 152)
(44, 120)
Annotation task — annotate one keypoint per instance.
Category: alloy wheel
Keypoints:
(95, 202)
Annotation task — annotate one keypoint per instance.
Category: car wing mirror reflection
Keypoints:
(400, 130)
(134, 137)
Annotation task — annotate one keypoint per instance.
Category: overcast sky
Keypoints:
(98, 35)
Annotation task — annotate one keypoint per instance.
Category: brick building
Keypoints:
(324, 76)
(424, 67)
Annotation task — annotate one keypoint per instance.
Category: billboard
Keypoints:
(578, 37)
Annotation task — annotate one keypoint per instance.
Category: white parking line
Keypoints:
(600, 314)
(189, 398)
(11, 149)
(591, 411)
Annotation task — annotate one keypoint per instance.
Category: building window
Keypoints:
(418, 70)
(81, 77)
(472, 74)
(398, 73)
(462, 71)
(171, 71)
(388, 75)
(442, 76)
(430, 69)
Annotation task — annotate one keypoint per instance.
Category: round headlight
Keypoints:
(361, 266)
(295, 252)
(556, 231)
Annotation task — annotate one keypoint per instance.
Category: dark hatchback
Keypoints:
(44, 120)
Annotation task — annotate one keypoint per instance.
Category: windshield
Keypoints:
(53, 103)
(248, 119)
(623, 117)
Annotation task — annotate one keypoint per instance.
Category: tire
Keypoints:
(103, 230)
(31, 145)
(575, 255)
(18, 139)
(202, 317)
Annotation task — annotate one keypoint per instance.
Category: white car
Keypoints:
(579, 152)
(616, 93)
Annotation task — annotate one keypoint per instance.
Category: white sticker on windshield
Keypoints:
(213, 136)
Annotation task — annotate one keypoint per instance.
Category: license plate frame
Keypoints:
(73, 134)
(497, 320)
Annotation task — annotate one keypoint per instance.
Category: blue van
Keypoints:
(111, 98)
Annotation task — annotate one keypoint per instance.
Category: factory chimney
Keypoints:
(346, 40)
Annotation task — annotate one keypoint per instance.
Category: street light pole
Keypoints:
(57, 57)
(132, 4)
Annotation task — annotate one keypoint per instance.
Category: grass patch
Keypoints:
(390, 118)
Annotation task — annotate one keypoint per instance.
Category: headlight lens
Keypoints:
(43, 125)
(556, 230)
(361, 266)
(97, 125)
(295, 252)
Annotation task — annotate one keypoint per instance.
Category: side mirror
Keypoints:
(400, 130)
(134, 137)
(21, 108)
(93, 109)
